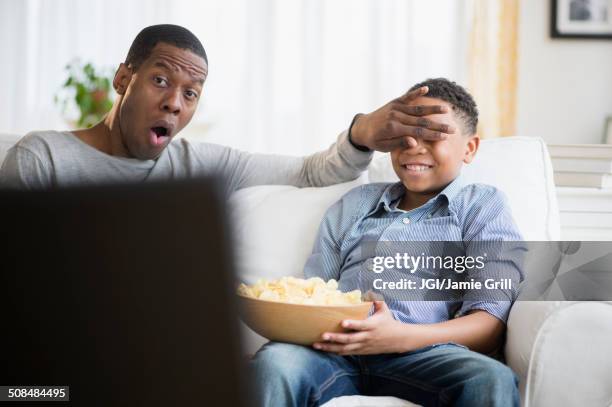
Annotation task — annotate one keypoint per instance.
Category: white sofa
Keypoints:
(560, 350)
(547, 342)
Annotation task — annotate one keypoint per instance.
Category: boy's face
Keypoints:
(431, 165)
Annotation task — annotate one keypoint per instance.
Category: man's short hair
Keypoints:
(149, 37)
(462, 102)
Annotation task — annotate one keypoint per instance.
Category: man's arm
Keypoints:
(394, 124)
(22, 169)
(341, 162)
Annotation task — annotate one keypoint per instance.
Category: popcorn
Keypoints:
(313, 291)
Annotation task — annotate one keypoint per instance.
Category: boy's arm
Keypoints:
(382, 333)
(478, 330)
(483, 313)
(492, 233)
(326, 258)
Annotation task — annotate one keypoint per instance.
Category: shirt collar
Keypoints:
(452, 189)
(394, 192)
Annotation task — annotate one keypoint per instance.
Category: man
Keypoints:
(159, 86)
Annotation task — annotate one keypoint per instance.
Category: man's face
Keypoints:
(159, 98)
(431, 165)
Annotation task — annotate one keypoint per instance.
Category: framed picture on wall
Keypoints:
(581, 19)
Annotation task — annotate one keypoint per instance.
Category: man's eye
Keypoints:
(191, 94)
(159, 80)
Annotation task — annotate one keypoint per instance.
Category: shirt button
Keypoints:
(406, 221)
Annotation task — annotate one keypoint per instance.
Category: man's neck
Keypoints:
(106, 135)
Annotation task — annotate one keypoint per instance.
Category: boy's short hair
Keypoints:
(462, 102)
(149, 37)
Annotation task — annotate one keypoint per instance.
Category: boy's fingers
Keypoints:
(352, 349)
(380, 306)
(355, 325)
(337, 348)
(328, 347)
(355, 337)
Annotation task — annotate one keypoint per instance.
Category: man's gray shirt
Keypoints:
(52, 159)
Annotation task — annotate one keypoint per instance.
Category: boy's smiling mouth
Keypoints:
(416, 167)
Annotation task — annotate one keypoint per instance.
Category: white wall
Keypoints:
(565, 85)
(285, 76)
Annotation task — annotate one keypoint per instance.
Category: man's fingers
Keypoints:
(389, 144)
(420, 110)
(408, 141)
(403, 133)
(402, 115)
(411, 95)
(397, 142)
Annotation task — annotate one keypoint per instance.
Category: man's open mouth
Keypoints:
(159, 135)
(160, 131)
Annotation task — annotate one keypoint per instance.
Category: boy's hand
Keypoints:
(396, 124)
(380, 333)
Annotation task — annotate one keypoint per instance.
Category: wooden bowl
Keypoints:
(297, 323)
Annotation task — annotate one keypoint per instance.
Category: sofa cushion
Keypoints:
(365, 401)
(6, 141)
(521, 168)
(276, 227)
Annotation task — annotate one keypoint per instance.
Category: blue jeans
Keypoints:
(439, 375)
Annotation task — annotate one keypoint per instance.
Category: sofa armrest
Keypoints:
(524, 322)
(559, 351)
(570, 361)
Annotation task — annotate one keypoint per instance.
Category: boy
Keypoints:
(415, 350)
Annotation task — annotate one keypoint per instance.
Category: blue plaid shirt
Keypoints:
(459, 213)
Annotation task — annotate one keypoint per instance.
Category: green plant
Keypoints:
(88, 90)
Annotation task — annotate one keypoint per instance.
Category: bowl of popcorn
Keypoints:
(298, 311)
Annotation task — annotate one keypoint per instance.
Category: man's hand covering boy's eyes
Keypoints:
(397, 124)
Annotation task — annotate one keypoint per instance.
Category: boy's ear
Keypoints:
(123, 76)
(471, 148)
